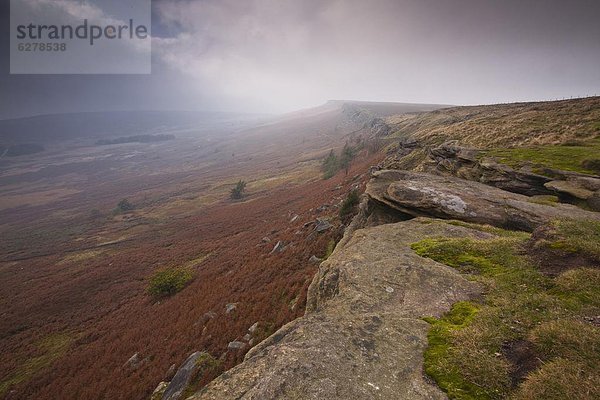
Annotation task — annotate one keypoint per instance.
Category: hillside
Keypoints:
(448, 283)
(76, 268)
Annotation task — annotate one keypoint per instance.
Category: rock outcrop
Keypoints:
(421, 194)
(363, 335)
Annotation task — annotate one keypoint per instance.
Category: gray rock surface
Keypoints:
(182, 378)
(363, 334)
(572, 188)
(322, 225)
(421, 194)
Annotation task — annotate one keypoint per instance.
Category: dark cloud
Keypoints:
(267, 55)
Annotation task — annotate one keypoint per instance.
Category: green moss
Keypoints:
(465, 354)
(578, 158)
(547, 200)
(329, 250)
(435, 358)
(51, 348)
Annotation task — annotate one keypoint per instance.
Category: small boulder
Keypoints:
(134, 361)
(314, 259)
(229, 307)
(236, 345)
(278, 248)
(322, 225)
(253, 328)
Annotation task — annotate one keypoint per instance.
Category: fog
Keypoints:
(277, 56)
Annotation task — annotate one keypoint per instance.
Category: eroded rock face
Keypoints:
(363, 335)
(421, 194)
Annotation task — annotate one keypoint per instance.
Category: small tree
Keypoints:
(346, 157)
(349, 204)
(238, 191)
(330, 165)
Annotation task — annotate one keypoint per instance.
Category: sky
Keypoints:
(272, 56)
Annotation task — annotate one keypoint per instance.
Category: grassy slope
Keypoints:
(530, 336)
(505, 125)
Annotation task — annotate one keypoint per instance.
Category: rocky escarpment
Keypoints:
(451, 158)
(363, 335)
(422, 194)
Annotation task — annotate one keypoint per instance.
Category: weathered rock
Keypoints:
(229, 307)
(322, 225)
(314, 259)
(421, 194)
(278, 248)
(236, 345)
(571, 188)
(253, 328)
(134, 361)
(182, 378)
(171, 372)
(358, 339)
(594, 201)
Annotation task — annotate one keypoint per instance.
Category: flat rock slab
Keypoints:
(421, 194)
(363, 335)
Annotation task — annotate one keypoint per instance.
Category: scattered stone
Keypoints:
(265, 240)
(294, 218)
(182, 378)
(236, 345)
(247, 337)
(279, 247)
(229, 307)
(253, 328)
(322, 225)
(206, 317)
(314, 259)
(134, 361)
(323, 208)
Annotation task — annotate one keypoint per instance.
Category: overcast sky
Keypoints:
(277, 55)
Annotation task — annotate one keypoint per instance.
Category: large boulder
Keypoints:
(363, 334)
(421, 194)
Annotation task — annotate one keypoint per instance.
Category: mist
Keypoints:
(271, 57)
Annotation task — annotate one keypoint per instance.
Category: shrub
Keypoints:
(168, 281)
(238, 191)
(124, 206)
